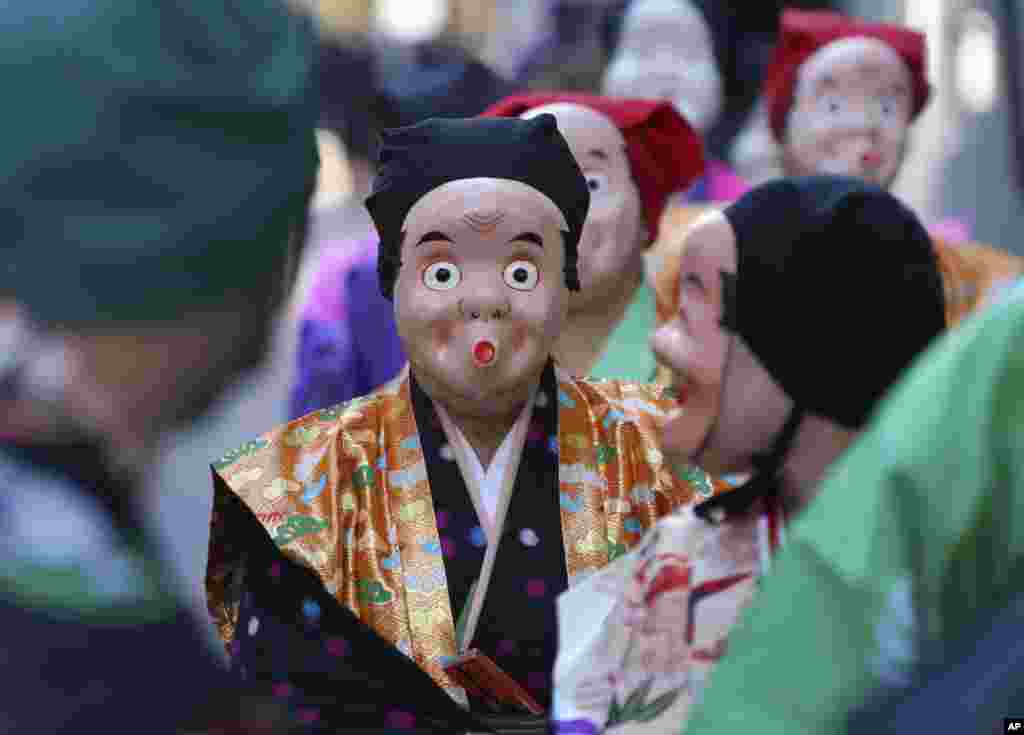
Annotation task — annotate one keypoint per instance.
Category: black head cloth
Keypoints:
(417, 159)
(837, 290)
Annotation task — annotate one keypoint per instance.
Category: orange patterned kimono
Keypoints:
(345, 492)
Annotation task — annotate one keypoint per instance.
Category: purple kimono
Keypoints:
(348, 342)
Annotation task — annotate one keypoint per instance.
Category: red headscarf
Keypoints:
(801, 33)
(665, 153)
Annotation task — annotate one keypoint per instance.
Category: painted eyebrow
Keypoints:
(529, 237)
(897, 89)
(434, 236)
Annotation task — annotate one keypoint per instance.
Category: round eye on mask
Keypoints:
(831, 104)
(442, 276)
(887, 107)
(521, 275)
(597, 183)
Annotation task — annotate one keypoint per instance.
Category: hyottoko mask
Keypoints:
(479, 221)
(481, 296)
(666, 51)
(843, 95)
(615, 233)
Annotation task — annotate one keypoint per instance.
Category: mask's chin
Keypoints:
(463, 385)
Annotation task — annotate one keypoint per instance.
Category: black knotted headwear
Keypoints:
(837, 290)
(417, 159)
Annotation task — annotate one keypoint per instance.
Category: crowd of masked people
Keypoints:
(627, 397)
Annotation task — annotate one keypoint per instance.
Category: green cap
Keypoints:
(155, 154)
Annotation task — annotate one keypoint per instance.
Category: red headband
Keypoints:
(802, 33)
(665, 153)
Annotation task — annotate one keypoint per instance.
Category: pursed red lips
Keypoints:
(872, 159)
(484, 352)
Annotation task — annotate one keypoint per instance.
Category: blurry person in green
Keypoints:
(156, 167)
(915, 538)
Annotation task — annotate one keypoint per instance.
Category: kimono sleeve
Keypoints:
(916, 531)
(674, 487)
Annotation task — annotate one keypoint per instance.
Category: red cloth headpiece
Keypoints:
(801, 33)
(665, 153)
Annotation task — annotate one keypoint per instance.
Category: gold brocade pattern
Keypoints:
(344, 491)
(969, 272)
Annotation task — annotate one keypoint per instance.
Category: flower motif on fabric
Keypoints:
(409, 511)
(606, 453)
(296, 527)
(312, 490)
(639, 707)
(305, 467)
(333, 413)
(643, 494)
(393, 561)
(373, 592)
(425, 583)
(569, 503)
(697, 477)
(363, 477)
(244, 477)
(279, 488)
(406, 479)
(234, 455)
(592, 543)
(302, 436)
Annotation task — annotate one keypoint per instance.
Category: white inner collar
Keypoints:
(489, 481)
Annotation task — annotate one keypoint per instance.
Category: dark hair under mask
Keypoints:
(837, 290)
(417, 159)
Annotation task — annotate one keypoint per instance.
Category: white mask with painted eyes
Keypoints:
(521, 275)
(442, 276)
(597, 183)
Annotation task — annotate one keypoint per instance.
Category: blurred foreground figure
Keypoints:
(639, 640)
(917, 536)
(155, 175)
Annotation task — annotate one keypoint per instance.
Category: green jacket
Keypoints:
(918, 528)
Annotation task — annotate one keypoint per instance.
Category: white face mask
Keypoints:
(851, 112)
(665, 51)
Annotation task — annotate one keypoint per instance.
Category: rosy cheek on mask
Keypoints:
(443, 333)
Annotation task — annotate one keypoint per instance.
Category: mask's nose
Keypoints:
(485, 306)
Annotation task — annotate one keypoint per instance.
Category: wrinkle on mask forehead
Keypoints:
(482, 203)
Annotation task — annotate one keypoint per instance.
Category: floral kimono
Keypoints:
(640, 638)
(375, 498)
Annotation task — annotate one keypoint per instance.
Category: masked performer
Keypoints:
(634, 154)
(446, 510)
(842, 96)
(755, 402)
